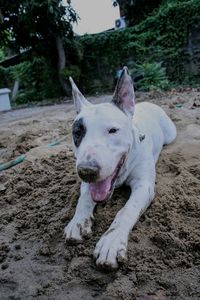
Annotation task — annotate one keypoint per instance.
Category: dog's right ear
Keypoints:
(79, 99)
(124, 97)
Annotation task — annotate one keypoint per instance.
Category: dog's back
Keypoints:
(154, 122)
(147, 114)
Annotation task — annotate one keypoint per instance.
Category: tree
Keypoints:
(40, 25)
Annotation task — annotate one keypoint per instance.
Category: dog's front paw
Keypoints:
(111, 249)
(77, 229)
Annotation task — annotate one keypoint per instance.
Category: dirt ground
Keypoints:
(38, 197)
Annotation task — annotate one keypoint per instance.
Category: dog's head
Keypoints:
(102, 137)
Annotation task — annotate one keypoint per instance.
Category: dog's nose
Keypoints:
(88, 172)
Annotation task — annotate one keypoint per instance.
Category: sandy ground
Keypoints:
(38, 197)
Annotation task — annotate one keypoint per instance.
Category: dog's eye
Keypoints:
(79, 131)
(113, 130)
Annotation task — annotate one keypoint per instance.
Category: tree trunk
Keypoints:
(15, 90)
(61, 63)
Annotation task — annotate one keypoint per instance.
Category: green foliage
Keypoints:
(154, 77)
(35, 23)
(39, 25)
(4, 74)
(137, 10)
(2, 54)
(162, 36)
(37, 79)
(73, 71)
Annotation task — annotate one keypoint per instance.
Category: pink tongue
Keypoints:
(100, 190)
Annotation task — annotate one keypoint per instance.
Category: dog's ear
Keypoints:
(79, 99)
(124, 96)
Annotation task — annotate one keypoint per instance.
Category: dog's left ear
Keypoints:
(79, 99)
(124, 96)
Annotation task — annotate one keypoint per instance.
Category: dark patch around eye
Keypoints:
(78, 131)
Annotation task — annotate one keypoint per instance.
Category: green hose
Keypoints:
(21, 158)
(56, 142)
(12, 163)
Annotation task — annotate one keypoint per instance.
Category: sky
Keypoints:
(95, 15)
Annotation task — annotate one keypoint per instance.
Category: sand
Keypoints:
(38, 197)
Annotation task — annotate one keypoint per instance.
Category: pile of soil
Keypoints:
(38, 197)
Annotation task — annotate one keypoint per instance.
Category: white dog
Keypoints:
(116, 143)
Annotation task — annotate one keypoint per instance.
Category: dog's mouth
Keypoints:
(101, 191)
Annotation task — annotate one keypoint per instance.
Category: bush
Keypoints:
(38, 80)
(4, 74)
(73, 71)
(2, 54)
(154, 77)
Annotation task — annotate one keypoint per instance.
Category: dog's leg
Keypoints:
(81, 224)
(113, 244)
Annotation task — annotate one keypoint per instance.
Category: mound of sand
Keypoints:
(39, 196)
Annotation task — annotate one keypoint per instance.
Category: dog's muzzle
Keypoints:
(88, 172)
